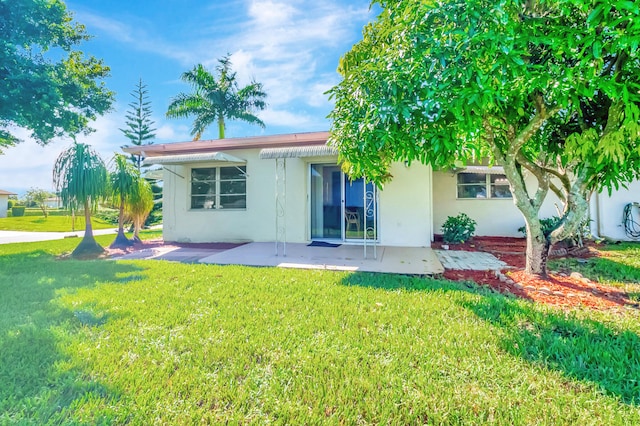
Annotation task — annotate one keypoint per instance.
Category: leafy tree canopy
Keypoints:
(46, 85)
(217, 98)
(445, 81)
(545, 87)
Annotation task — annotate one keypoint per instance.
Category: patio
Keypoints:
(393, 260)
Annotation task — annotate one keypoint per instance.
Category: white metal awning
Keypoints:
(193, 158)
(493, 170)
(155, 174)
(298, 152)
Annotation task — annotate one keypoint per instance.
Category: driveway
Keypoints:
(8, 237)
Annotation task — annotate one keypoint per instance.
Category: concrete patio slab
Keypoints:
(470, 260)
(171, 253)
(394, 260)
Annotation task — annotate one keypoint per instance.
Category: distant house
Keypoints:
(290, 188)
(53, 202)
(4, 202)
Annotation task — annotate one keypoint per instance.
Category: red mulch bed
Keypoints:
(558, 289)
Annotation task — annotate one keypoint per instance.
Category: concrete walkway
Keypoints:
(470, 260)
(393, 260)
(8, 237)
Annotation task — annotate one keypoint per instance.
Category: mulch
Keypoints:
(564, 289)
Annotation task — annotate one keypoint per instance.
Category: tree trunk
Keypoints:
(538, 246)
(88, 247)
(220, 127)
(121, 240)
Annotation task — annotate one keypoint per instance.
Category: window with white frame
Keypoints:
(219, 188)
(483, 185)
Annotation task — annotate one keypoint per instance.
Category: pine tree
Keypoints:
(139, 128)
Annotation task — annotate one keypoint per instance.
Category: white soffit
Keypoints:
(298, 152)
(494, 170)
(193, 158)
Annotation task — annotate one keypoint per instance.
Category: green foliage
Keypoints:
(39, 197)
(548, 225)
(231, 344)
(107, 215)
(139, 204)
(139, 126)
(458, 229)
(216, 99)
(80, 177)
(10, 204)
(46, 85)
(17, 211)
(549, 87)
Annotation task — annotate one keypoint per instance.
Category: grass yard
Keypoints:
(148, 342)
(619, 266)
(49, 224)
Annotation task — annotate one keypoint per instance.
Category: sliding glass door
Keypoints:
(341, 209)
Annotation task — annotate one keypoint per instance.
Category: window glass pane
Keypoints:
(203, 202)
(202, 188)
(233, 201)
(232, 173)
(479, 178)
(472, 191)
(208, 174)
(233, 187)
(499, 180)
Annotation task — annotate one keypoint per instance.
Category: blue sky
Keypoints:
(291, 46)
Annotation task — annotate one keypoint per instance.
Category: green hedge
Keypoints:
(10, 204)
(17, 211)
(50, 212)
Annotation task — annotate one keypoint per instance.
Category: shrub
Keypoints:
(549, 223)
(10, 204)
(17, 211)
(458, 229)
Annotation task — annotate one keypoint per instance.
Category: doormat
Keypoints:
(322, 244)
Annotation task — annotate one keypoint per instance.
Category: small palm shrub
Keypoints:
(458, 229)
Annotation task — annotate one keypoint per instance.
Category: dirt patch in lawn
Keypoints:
(562, 289)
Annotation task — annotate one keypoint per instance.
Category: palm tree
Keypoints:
(138, 205)
(80, 177)
(216, 99)
(123, 180)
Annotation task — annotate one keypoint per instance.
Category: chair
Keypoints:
(352, 218)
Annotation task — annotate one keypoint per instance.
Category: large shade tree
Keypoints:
(217, 98)
(47, 86)
(548, 89)
(80, 177)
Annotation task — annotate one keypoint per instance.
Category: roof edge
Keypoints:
(193, 147)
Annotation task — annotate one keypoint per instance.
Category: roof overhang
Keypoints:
(493, 170)
(298, 152)
(224, 145)
(193, 158)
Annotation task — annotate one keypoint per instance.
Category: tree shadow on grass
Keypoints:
(582, 349)
(600, 269)
(39, 381)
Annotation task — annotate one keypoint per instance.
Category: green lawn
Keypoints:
(619, 266)
(148, 342)
(49, 224)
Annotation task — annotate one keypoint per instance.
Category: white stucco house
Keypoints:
(290, 188)
(4, 202)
